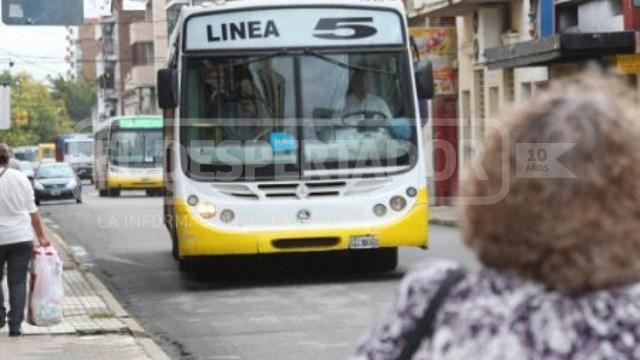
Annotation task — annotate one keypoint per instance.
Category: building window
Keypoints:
(527, 91)
(141, 53)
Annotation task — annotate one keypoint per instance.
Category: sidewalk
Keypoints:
(95, 326)
(443, 215)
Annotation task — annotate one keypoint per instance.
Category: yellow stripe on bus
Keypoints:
(134, 182)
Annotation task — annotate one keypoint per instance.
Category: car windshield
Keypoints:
(79, 148)
(54, 171)
(136, 147)
(245, 117)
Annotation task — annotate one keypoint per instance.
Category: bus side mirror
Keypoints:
(424, 81)
(167, 89)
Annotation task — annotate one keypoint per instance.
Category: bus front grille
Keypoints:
(300, 190)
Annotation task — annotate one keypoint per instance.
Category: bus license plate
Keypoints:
(363, 242)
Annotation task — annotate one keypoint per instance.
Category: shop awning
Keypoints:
(561, 48)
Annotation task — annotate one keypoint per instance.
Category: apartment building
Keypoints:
(115, 57)
(87, 48)
(148, 43)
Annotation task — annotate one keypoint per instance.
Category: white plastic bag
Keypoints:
(46, 294)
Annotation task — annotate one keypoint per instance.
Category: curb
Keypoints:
(135, 329)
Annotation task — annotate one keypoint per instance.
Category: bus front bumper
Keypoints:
(126, 182)
(196, 238)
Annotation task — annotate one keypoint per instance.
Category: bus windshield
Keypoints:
(136, 148)
(293, 116)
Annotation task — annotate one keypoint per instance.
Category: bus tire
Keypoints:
(375, 260)
(114, 192)
(103, 193)
(174, 244)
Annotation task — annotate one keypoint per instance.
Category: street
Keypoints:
(267, 310)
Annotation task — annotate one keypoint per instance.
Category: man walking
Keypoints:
(19, 220)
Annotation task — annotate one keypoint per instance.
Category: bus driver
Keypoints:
(360, 103)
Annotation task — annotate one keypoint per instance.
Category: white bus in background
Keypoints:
(292, 126)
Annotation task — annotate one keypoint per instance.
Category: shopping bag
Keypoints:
(46, 295)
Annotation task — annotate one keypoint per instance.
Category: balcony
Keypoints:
(442, 8)
(140, 32)
(561, 48)
(141, 76)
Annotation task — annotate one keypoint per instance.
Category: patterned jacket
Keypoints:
(495, 315)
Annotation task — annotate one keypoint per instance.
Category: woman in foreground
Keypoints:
(560, 251)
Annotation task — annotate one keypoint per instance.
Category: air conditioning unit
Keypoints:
(487, 30)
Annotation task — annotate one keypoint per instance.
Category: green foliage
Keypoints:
(47, 116)
(79, 96)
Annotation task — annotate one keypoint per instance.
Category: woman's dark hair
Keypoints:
(5, 154)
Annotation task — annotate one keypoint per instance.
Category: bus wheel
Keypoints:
(114, 192)
(174, 245)
(377, 260)
(103, 193)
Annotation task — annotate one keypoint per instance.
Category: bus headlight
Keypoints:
(206, 209)
(379, 210)
(38, 186)
(192, 200)
(411, 191)
(397, 203)
(227, 216)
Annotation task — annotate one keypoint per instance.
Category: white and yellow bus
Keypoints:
(128, 155)
(294, 127)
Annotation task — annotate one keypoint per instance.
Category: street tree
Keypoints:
(41, 116)
(79, 96)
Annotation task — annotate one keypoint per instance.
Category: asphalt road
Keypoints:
(305, 307)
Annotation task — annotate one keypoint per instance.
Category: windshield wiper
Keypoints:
(323, 57)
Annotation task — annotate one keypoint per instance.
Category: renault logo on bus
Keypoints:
(303, 215)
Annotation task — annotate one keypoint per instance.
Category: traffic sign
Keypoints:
(38, 12)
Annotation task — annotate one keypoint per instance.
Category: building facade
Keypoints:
(508, 50)
(148, 42)
(87, 48)
(115, 58)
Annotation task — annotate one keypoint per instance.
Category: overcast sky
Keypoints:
(40, 50)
